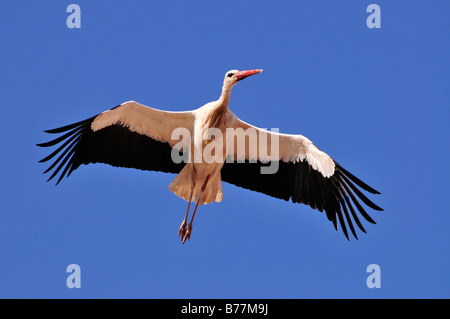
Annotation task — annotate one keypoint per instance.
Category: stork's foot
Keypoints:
(187, 233)
(182, 231)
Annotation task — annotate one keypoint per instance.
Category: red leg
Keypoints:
(188, 232)
(182, 230)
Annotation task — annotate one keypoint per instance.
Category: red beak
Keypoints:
(243, 74)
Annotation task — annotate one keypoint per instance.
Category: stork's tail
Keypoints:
(182, 186)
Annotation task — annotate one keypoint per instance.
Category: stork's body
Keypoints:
(133, 135)
(200, 180)
(189, 182)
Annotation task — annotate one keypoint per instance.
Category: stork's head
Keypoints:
(234, 76)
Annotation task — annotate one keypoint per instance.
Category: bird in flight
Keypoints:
(207, 146)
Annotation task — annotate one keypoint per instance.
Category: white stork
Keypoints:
(137, 136)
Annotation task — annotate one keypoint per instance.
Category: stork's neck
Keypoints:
(216, 115)
(225, 96)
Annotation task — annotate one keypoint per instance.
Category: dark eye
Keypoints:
(230, 75)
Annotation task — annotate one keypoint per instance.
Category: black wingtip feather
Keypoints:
(363, 197)
(356, 180)
(70, 126)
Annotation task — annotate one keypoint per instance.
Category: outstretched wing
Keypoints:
(303, 174)
(129, 135)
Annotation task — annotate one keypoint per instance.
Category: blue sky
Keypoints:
(376, 100)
